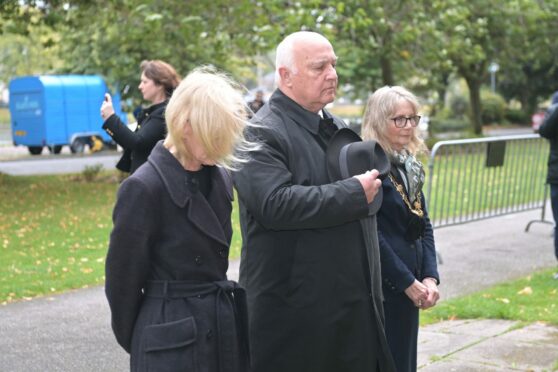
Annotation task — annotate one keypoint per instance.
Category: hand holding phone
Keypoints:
(106, 107)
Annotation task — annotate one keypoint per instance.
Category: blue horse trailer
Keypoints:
(58, 110)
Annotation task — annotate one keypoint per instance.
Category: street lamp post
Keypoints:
(493, 69)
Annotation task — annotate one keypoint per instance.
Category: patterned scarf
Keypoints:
(412, 172)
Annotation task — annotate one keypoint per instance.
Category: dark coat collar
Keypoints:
(156, 106)
(171, 172)
(177, 183)
(297, 113)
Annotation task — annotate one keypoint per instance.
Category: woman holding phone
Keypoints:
(158, 81)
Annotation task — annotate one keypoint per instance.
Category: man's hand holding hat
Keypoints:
(349, 156)
(370, 183)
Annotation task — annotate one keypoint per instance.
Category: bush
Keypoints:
(90, 172)
(517, 116)
(459, 106)
(439, 125)
(493, 107)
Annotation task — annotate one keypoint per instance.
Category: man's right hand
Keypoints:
(370, 183)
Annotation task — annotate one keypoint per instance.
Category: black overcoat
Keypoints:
(403, 261)
(303, 260)
(172, 308)
(549, 130)
(138, 144)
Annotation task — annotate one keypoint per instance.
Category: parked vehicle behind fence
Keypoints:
(537, 119)
(58, 110)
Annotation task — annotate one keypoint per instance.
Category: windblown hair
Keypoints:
(213, 105)
(162, 74)
(380, 108)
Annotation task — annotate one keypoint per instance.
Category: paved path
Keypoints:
(71, 332)
(58, 164)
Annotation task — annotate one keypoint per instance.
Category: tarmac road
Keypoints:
(16, 161)
(71, 331)
(58, 164)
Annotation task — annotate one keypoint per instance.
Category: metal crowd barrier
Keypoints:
(475, 179)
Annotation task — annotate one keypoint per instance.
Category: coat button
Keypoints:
(198, 260)
(209, 334)
(223, 253)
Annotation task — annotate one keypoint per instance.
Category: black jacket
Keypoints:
(303, 260)
(166, 270)
(137, 145)
(549, 130)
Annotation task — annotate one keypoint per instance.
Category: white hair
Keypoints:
(284, 54)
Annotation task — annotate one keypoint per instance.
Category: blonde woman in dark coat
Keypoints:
(172, 307)
(407, 251)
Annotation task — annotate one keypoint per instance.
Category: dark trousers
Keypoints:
(554, 204)
(402, 325)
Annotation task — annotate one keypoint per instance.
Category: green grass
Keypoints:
(534, 298)
(54, 233)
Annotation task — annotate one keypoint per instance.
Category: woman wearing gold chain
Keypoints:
(408, 255)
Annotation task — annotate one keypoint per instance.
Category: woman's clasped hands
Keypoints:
(424, 295)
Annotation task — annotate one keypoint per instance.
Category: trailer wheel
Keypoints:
(35, 150)
(78, 146)
(55, 149)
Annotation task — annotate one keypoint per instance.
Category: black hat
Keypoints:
(348, 155)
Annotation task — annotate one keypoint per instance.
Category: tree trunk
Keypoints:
(387, 70)
(475, 104)
(441, 90)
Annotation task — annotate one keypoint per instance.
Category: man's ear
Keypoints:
(286, 76)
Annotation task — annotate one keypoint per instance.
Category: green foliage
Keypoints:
(516, 116)
(493, 107)
(36, 52)
(530, 299)
(417, 44)
(459, 106)
(441, 125)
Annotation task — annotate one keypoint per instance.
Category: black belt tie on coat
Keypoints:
(228, 296)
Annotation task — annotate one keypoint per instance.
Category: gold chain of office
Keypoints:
(417, 205)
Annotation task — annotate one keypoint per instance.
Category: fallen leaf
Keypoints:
(526, 291)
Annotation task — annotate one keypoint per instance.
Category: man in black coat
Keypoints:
(549, 130)
(311, 303)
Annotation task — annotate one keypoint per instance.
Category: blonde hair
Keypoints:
(379, 110)
(213, 105)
